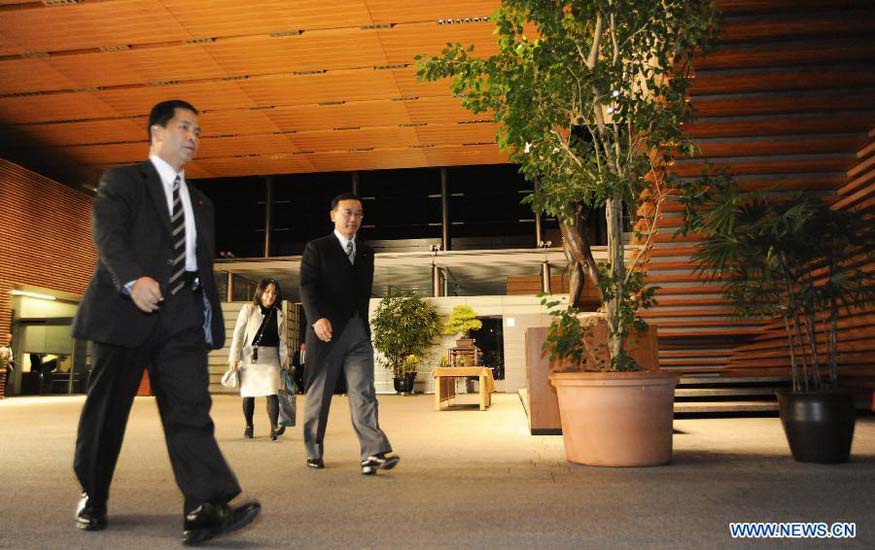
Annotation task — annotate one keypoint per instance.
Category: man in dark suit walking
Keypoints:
(153, 303)
(337, 273)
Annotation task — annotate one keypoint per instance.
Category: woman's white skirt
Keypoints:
(262, 377)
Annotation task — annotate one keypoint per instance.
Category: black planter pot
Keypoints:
(405, 385)
(819, 425)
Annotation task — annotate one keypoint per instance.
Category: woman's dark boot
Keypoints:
(274, 432)
(247, 433)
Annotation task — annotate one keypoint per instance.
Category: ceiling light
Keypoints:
(30, 294)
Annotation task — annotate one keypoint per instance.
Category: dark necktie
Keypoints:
(177, 233)
(350, 252)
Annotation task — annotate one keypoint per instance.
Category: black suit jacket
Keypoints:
(131, 228)
(333, 288)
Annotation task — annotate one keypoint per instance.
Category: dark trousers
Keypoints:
(352, 358)
(176, 357)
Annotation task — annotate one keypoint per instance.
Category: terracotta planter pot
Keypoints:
(616, 418)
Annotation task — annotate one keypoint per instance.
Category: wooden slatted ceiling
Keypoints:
(256, 69)
(777, 72)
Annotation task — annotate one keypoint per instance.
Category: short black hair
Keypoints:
(344, 197)
(164, 111)
(262, 286)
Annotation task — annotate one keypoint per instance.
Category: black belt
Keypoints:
(192, 281)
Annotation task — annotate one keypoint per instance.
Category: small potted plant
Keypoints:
(403, 328)
(461, 322)
(792, 257)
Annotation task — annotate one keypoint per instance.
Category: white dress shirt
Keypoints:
(343, 240)
(168, 175)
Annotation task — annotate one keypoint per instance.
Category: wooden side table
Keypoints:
(445, 384)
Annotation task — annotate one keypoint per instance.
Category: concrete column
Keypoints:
(545, 276)
(230, 293)
(436, 286)
(268, 208)
(445, 212)
(539, 235)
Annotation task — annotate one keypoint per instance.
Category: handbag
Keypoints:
(231, 378)
(287, 400)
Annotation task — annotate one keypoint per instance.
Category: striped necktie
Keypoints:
(177, 233)
(350, 252)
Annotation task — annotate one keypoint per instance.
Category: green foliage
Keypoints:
(586, 98)
(462, 321)
(785, 255)
(565, 334)
(590, 100)
(403, 328)
(565, 337)
(637, 296)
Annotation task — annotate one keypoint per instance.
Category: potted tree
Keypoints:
(795, 258)
(403, 328)
(590, 98)
(461, 322)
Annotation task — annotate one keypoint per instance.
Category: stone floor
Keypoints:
(467, 479)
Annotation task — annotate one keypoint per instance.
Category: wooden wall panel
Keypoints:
(45, 228)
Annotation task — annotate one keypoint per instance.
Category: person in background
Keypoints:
(153, 304)
(7, 365)
(258, 352)
(337, 273)
(299, 362)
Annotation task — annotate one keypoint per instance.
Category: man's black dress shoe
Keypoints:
(90, 516)
(315, 463)
(380, 461)
(209, 520)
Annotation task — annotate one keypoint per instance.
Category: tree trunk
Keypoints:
(578, 251)
(614, 213)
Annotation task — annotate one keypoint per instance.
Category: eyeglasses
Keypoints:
(351, 213)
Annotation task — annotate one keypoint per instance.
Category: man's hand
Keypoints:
(235, 365)
(322, 327)
(146, 294)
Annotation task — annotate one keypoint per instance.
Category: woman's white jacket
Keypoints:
(248, 322)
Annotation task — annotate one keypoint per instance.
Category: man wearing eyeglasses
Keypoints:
(337, 273)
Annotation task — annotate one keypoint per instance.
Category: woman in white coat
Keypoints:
(259, 351)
